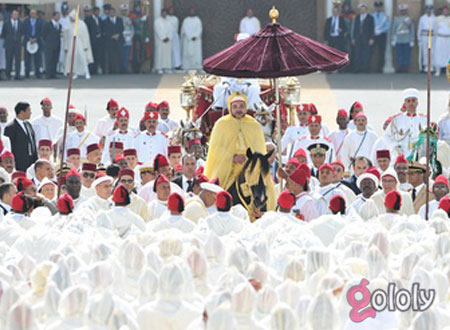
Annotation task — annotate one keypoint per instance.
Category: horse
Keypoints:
(249, 188)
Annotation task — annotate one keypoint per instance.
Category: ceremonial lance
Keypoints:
(63, 149)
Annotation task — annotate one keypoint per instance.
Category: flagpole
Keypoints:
(427, 182)
(69, 90)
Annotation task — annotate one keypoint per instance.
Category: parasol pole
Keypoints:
(277, 103)
(273, 14)
(427, 176)
(66, 117)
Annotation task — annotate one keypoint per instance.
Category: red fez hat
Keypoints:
(130, 152)
(383, 153)
(306, 169)
(357, 105)
(65, 204)
(304, 107)
(72, 172)
(18, 174)
(160, 161)
(173, 150)
(46, 100)
(79, 116)
(118, 145)
(73, 151)
(163, 104)
(194, 141)
(121, 195)
(286, 200)
(360, 115)
(89, 167)
(401, 159)
(19, 202)
(300, 153)
(126, 171)
(7, 154)
(152, 115)
(326, 167)
(393, 200)
(159, 179)
(23, 183)
(175, 203)
(200, 170)
(338, 163)
(44, 143)
(299, 176)
(200, 178)
(337, 203)
(123, 113)
(112, 103)
(373, 170)
(342, 113)
(444, 204)
(151, 105)
(92, 147)
(314, 119)
(224, 201)
(119, 157)
(441, 179)
(293, 161)
(178, 168)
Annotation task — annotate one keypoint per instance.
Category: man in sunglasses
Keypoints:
(88, 175)
(137, 204)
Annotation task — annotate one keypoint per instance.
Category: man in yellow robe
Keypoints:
(231, 136)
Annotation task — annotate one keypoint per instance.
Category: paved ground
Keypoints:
(380, 94)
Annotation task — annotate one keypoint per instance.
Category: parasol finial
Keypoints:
(273, 14)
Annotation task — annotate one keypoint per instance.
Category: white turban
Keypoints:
(410, 92)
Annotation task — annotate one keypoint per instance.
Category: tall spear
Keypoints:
(427, 182)
(69, 90)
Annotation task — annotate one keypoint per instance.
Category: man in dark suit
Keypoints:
(21, 135)
(359, 166)
(335, 30)
(32, 32)
(95, 27)
(363, 38)
(113, 32)
(7, 191)
(12, 33)
(186, 181)
(51, 35)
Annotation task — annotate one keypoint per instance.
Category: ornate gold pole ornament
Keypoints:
(273, 14)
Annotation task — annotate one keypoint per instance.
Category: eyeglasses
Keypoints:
(88, 175)
(129, 181)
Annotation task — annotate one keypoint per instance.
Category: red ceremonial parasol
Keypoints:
(274, 52)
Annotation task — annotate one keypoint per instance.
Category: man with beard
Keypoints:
(401, 168)
(8, 162)
(231, 137)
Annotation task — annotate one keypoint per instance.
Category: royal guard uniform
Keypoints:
(404, 128)
(149, 144)
(309, 140)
